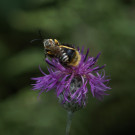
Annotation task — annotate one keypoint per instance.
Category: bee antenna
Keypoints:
(40, 37)
(34, 40)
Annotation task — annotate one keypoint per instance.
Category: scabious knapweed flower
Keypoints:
(70, 83)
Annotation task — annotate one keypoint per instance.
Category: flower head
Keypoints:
(70, 83)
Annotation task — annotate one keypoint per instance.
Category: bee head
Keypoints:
(48, 43)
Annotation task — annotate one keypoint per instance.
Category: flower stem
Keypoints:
(69, 120)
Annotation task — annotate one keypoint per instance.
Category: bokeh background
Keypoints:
(106, 26)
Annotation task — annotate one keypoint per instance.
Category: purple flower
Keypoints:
(70, 83)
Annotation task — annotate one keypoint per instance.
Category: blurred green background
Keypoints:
(106, 26)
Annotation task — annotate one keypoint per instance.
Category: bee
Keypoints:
(66, 54)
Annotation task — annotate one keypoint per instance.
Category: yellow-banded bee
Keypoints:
(66, 54)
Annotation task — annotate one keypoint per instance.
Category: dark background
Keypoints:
(106, 26)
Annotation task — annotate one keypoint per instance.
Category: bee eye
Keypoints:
(48, 43)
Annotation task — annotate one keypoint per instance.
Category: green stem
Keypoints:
(69, 120)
